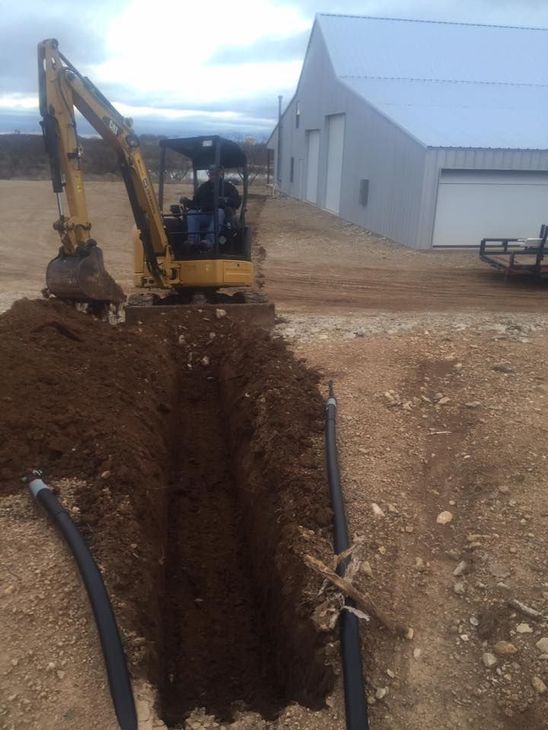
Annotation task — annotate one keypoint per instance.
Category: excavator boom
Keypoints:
(78, 272)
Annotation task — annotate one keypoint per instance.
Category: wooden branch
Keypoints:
(526, 610)
(338, 558)
(362, 601)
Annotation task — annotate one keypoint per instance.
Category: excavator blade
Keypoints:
(256, 314)
(82, 277)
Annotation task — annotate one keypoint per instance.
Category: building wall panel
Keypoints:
(401, 174)
(374, 149)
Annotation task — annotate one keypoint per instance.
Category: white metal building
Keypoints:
(430, 133)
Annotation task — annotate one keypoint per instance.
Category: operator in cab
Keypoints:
(200, 215)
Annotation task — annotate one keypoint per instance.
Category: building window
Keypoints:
(364, 192)
(297, 115)
(292, 170)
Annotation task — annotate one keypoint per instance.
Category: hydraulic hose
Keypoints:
(113, 652)
(354, 694)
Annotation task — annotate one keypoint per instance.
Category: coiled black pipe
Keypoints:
(354, 694)
(113, 652)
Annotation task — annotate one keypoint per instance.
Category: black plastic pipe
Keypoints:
(354, 693)
(113, 652)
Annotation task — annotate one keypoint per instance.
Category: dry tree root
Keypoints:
(525, 610)
(362, 601)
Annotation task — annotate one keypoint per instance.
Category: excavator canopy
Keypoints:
(208, 150)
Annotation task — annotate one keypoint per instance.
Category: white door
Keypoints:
(335, 145)
(312, 165)
(474, 204)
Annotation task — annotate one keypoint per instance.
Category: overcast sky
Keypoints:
(180, 68)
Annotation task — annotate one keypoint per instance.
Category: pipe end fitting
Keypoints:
(34, 482)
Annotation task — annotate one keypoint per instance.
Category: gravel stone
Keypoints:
(377, 511)
(489, 660)
(538, 685)
(460, 569)
(504, 648)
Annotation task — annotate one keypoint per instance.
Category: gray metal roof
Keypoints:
(447, 84)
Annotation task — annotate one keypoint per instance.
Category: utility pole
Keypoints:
(279, 155)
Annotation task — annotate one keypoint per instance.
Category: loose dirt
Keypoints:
(319, 264)
(434, 422)
(441, 385)
(438, 369)
(196, 475)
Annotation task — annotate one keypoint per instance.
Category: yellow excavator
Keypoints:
(164, 257)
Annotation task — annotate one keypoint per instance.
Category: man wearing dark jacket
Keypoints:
(201, 216)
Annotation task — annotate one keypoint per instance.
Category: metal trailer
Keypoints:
(517, 256)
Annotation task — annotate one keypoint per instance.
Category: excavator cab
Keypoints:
(231, 236)
(226, 262)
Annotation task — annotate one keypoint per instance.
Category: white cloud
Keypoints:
(171, 60)
(161, 49)
(205, 84)
(18, 102)
(142, 114)
(137, 112)
(129, 110)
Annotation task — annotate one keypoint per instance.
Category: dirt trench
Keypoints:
(232, 630)
(194, 450)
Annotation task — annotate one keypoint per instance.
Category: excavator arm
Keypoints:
(78, 271)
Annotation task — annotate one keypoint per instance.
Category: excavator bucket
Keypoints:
(82, 277)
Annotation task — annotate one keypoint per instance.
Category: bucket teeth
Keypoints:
(82, 277)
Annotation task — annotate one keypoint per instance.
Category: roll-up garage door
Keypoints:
(312, 165)
(474, 204)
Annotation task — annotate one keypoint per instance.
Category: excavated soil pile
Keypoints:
(192, 451)
(75, 391)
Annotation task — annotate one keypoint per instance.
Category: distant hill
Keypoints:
(24, 156)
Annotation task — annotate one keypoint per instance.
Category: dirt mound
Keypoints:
(190, 453)
(75, 392)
